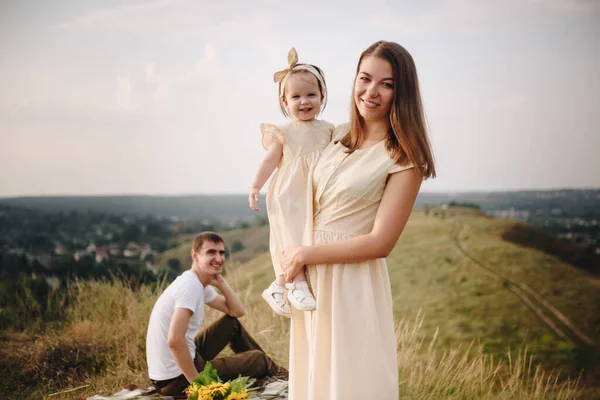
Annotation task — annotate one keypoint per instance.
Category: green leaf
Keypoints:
(208, 375)
(239, 383)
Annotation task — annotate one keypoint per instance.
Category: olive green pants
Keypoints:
(249, 359)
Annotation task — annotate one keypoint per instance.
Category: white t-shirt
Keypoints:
(185, 292)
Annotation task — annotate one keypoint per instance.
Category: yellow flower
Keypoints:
(204, 395)
(243, 395)
(193, 388)
(216, 388)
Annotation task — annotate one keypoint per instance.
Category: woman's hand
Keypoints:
(292, 261)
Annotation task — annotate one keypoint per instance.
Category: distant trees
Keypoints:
(26, 300)
(174, 264)
(132, 233)
(261, 221)
(464, 204)
(236, 246)
(12, 264)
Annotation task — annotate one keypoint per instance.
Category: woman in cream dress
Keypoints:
(365, 185)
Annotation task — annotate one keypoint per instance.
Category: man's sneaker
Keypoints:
(275, 296)
(300, 296)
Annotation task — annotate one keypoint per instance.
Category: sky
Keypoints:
(166, 97)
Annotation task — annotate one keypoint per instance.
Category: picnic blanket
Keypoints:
(277, 390)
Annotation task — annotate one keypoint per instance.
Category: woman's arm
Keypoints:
(395, 207)
(265, 169)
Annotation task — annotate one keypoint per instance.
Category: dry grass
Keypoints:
(469, 373)
(103, 346)
(444, 355)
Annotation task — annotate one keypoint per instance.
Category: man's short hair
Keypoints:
(206, 237)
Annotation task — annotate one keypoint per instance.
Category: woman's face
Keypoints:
(374, 88)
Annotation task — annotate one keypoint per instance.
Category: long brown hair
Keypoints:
(407, 139)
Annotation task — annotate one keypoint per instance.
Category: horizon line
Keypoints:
(511, 190)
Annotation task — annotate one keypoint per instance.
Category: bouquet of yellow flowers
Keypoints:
(208, 386)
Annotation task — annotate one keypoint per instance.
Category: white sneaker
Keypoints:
(275, 296)
(300, 296)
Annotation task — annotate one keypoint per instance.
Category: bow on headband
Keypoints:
(283, 75)
(292, 61)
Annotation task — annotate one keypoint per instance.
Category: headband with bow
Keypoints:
(283, 75)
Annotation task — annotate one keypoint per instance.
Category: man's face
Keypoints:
(210, 257)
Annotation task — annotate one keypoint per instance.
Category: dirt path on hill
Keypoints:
(554, 319)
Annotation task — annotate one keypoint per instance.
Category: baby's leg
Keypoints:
(301, 277)
(299, 293)
(275, 296)
(280, 279)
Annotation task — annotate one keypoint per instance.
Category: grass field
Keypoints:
(461, 333)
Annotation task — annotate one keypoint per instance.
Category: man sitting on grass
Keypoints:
(175, 349)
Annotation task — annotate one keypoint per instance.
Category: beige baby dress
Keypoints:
(289, 199)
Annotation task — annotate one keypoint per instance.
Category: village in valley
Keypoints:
(86, 243)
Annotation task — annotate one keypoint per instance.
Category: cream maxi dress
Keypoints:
(346, 348)
(289, 199)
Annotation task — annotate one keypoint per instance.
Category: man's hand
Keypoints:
(228, 302)
(217, 281)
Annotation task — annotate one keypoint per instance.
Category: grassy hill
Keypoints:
(255, 241)
(465, 301)
(458, 310)
(462, 301)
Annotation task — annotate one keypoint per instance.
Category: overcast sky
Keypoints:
(166, 97)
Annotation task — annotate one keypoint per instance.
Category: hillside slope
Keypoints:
(456, 281)
(462, 301)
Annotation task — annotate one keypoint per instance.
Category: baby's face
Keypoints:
(302, 96)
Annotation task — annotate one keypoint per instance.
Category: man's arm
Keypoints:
(176, 342)
(229, 302)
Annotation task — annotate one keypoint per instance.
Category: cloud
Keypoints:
(161, 96)
(150, 72)
(21, 106)
(407, 24)
(465, 16)
(176, 20)
(207, 64)
(123, 93)
(132, 18)
(570, 6)
(512, 103)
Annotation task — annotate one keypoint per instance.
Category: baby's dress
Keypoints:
(289, 199)
(346, 348)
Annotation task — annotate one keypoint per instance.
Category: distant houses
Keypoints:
(146, 252)
(44, 259)
(114, 250)
(79, 255)
(106, 252)
(101, 254)
(131, 250)
(60, 249)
